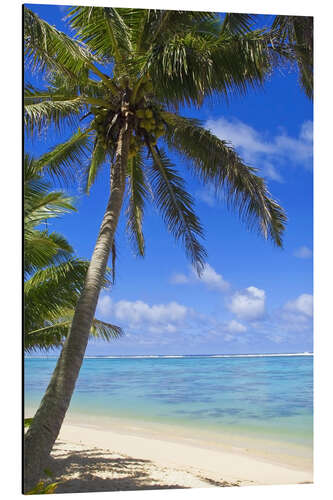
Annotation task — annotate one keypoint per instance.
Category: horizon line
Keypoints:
(114, 356)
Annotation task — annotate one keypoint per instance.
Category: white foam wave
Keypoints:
(173, 356)
(261, 355)
(190, 356)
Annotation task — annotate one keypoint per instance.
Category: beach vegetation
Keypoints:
(43, 488)
(27, 422)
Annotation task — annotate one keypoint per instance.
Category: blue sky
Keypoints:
(252, 297)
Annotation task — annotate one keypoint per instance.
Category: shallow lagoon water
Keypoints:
(260, 396)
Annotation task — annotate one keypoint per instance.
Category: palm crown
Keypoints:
(156, 60)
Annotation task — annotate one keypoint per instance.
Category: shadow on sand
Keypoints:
(93, 470)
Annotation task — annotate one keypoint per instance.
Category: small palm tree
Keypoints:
(153, 62)
(54, 278)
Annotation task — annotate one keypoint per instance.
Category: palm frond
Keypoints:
(97, 159)
(215, 161)
(137, 194)
(105, 331)
(52, 289)
(48, 49)
(176, 206)
(43, 114)
(33, 95)
(241, 61)
(103, 30)
(189, 67)
(64, 161)
(236, 23)
(72, 271)
(43, 249)
(45, 206)
(53, 334)
(297, 32)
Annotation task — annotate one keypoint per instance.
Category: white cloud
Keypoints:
(307, 131)
(104, 306)
(139, 311)
(168, 328)
(248, 304)
(302, 305)
(179, 279)
(235, 327)
(213, 280)
(208, 195)
(142, 317)
(303, 252)
(263, 151)
(209, 277)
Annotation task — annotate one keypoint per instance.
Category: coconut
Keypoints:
(148, 113)
(140, 113)
(149, 127)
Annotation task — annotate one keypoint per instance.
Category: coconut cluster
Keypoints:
(100, 123)
(147, 123)
(151, 122)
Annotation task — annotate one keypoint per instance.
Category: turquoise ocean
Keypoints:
(260, 396)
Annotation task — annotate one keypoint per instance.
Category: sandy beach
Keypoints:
(87, 458)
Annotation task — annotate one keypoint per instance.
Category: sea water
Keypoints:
(266, 396)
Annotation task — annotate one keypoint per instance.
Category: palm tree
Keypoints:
(50, 268)
(153, 62)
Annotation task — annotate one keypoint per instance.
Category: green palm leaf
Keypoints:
(53, 334)
(176, 206)
(64, 161)
(47, 48)
(215, 161)
(103, 30)
(238, 23)
(138, 193)
(42, 248)
(57, 113)
(297, 33)
(98, 157)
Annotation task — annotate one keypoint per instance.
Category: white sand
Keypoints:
(99, 459)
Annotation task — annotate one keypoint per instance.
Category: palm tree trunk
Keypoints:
(47, 422)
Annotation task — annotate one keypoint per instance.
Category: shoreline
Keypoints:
(270, 450)
(97, 460)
